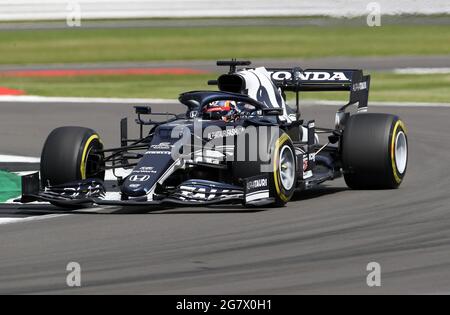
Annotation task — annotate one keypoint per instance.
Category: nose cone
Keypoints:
(137, 185)
(150, 169)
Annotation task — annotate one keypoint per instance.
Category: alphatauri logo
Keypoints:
(311, 76)
(259, 183)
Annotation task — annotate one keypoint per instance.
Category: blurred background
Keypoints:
(158, 49)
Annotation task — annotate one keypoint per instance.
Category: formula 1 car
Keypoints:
(241, 144)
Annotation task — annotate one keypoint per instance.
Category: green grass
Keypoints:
(385, 87)
(108, 45)
(390, 87)
(10, 186)
(134, 86)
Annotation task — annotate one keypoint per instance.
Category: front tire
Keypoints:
(284, 176)
(374, 151)
(70, 154)
(280, 167)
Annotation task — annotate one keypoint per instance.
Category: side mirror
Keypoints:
(213, 82)
(272, 111)
(143, 110)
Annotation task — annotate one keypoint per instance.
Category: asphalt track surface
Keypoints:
(320, 243)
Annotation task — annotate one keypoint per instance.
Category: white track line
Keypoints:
(4, 221)
(24, 173)
(109, 175)
(11, 202)
(131, 101)
(12, 158)
(422, 71)
(18, 159)
(82, 100)
(375, 104)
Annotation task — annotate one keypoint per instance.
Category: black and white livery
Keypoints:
(239, 144)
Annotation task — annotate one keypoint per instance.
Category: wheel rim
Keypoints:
(401, 152)
(93, 163)
(287, 168)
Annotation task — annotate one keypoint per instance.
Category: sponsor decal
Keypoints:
(198, 193)
(359, 86)
(207, 160)
(311, 76)
(307, 174)
(139, 178)
(229, 132)
(259, 195)
(135, 185)
(305, 163)
(257, 189)
(256, 184)
(161, 146)
(281, 75)
(146, 170)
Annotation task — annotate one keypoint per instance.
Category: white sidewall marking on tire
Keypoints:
(401, 152)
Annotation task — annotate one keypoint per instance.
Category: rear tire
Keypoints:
(374, 151)
(69, 155)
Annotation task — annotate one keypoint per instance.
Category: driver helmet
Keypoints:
(220, 109)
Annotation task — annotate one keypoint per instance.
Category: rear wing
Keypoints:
(313, 80)
(321, 80)
(310, 80)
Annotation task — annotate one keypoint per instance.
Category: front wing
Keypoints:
(191, 193)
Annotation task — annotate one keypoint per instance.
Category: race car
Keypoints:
(238, 144)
